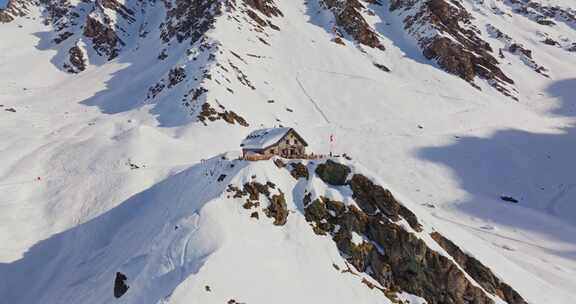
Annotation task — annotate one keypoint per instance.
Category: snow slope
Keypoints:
(448, 150)
(177, 237)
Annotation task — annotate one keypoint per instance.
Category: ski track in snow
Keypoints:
(552, 205)
(483, 231)
(316, 106)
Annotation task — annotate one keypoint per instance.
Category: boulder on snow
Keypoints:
(316, 211)
(279, 163)
(254, 189)
(278, 209)
(120, 287)
(550, 41)
(333, 173)
(299, 171)
(510, 199)
(381, 67)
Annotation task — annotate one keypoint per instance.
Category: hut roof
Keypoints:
(264, 138)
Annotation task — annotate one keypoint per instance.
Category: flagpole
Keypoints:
(331, 143)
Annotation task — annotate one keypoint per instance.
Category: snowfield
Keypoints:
(98, 177)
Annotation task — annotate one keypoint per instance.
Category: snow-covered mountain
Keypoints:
(120, 126)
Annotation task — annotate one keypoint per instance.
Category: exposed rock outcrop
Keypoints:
(266, 7)
(103, 22)
(14, 9)
(480, 273)
(261, 12)
(370, 234)
(208, 113)
(299, 171)
(189, 19)
(120, 287)
(372, 198)
(391, 255)
(348, 16)
(517, 49)
(542, 13)
(277, 207)
(76, 60)
(104, 39)
(333, 173)
(175, 76)
(372, 240)
(100, 24)
(446, 34)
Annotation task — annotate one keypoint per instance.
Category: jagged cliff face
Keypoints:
(139, 90)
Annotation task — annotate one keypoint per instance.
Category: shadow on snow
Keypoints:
(137, 69)
(87, 256)
(537, 169)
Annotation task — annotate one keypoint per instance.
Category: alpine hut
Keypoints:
(284, 142)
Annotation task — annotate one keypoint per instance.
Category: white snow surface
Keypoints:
(73, 210)
(263, 138)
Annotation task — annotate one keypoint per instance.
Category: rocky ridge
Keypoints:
(94, 32)
(349, 18)
(392, 253)
(543, 14)
(100, 26)
(377, 235)
(15, 9)
(446, 34)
